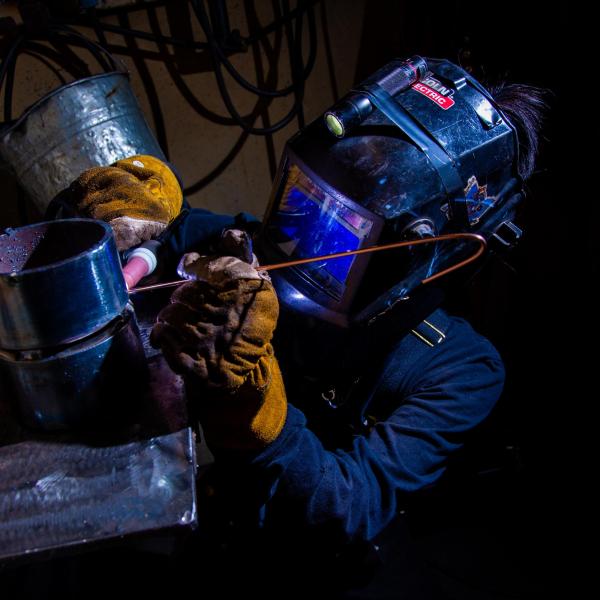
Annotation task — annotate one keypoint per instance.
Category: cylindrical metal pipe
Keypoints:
(60, 281)
(92, 383)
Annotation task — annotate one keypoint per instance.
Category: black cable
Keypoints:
(183, 87)
(329, 52)
(180, 83)
(101, 54)
(236, 118)
(203, 111)
(295, 51)
(270, 54)
(50, 54)
(95, 23)
(150, 88)
(7, 72)
(10, 55)
(47, 64)
(134, 7)
(23, 44)
(117, 50)
(105, 66)
(276, 24)
(225, 93)
(8, 89)
(199, 108)
(69, 35)
(202, 16)
(97, 26)
(60, 44)
(143, 35)
(219, 57)
(249, 40)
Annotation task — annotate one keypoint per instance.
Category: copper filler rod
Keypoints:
(303, 261)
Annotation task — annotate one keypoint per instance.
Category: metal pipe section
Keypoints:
(94, 383)
(60, 281)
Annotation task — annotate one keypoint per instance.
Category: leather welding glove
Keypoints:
(217, 333)
(137, 196)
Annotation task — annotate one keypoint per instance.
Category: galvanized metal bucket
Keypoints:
(90, 122)
(60, 281)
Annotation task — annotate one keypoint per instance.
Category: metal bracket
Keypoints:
(506, 236)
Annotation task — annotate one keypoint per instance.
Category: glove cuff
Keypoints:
(270, 417)
(252, 416)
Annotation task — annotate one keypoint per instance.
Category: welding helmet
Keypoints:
(418, 150)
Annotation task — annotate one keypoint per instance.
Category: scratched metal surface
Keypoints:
(90, 122)
(55, 495)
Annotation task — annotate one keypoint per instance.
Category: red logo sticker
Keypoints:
(442, 101)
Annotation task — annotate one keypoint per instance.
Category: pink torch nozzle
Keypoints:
(141, 263)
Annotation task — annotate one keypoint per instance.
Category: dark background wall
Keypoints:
(536, 310)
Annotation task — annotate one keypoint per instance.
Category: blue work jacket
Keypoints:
(302, 498)
(437, 383)
(426, 398)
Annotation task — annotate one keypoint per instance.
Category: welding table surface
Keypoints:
(60, 490)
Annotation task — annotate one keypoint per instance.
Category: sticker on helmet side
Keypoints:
(439, 94)
(477, 199)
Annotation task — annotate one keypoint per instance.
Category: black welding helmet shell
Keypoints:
(382, 182)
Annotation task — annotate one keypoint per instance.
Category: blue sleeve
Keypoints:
(199, 226)
(356, 492)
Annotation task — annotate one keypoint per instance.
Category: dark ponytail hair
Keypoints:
(525, 106)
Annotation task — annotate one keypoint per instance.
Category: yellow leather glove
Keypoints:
(217, 332)
(137, 196)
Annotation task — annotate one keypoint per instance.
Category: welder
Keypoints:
(317, 453)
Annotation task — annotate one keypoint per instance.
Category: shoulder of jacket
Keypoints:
(440, 339)
(433, 330)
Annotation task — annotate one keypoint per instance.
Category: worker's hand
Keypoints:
(217, 332)
(137, 196)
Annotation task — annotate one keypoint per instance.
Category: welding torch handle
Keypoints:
(303, 261)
